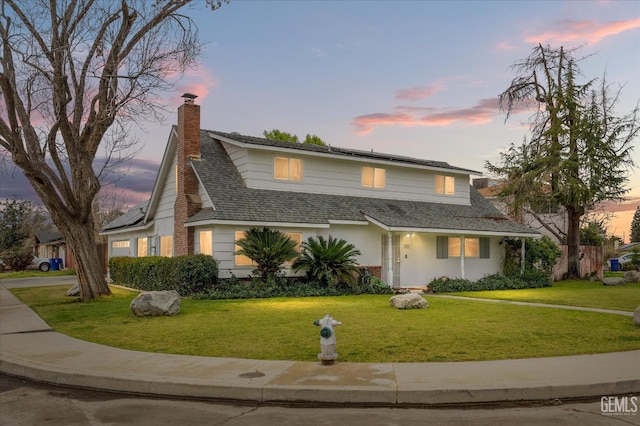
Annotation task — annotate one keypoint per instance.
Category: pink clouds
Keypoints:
(505, 46)
(582, 31)
(480, 113)
(198, 81)
(417, 93)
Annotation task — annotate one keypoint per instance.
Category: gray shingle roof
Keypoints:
(233, 201)
(49, 236)
(338, 152)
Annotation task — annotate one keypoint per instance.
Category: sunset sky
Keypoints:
(414, 78)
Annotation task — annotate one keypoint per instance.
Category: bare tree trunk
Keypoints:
(573, 242)
(84, 249)
(88, 265)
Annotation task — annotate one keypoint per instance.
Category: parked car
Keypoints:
(625, 258)
(41, 263)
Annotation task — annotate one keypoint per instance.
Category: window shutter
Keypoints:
(442, 247)
(485, 244)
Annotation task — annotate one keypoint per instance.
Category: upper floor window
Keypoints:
(373, 177)
(445, 184)
(287, 168)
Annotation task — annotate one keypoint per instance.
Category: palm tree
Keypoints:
(268, 248)
(329, 262)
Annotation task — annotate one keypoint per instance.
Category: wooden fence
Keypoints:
(591, 262)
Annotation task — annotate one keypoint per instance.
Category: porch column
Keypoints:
(390, 259)
(462, 275)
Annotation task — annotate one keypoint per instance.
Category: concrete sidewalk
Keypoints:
(30, 349)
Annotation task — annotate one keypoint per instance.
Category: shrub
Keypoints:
(187, 275)
(370, 284)
(17, 258)
(268, 248)
(445, 285)
(541, 254)
(528, 279)
(329, 262)
(256, 288)
(195, 273)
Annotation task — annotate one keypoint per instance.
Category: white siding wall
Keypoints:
(343, 177)
(164, 214)
(419, 264)
(240, 159)
(365, 238)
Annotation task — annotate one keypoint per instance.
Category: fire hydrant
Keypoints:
(327, 353)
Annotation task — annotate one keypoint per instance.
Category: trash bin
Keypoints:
(615, 265)
(56, 264)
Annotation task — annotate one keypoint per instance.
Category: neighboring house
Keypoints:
(51, 245)
(412, 219)
(550, 222)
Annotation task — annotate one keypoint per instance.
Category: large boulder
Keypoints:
(408, 301)
(636, 317)
(156, 304)
(632, 277)
(613, 281)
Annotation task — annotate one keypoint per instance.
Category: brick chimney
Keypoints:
(187, 198)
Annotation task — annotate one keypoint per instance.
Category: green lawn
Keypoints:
(592, 294)
(372, 331)
(34, 273)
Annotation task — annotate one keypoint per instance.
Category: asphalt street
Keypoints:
(25, 403)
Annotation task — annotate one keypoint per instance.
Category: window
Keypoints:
(297, 237)
(120, 244)
(206, 242)
(454, 247)
(287, 168)
(241, 260)
(142, 247)
(166, 246)
(373, 177)
(445, 184)
(473, 247)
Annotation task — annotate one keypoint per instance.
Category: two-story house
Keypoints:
(412, 219)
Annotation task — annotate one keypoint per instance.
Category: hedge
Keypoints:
(528, 279)
(256, 288)
(188, 275)
(197, 276)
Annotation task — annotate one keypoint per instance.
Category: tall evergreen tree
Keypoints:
(635, 226)
(578, 151)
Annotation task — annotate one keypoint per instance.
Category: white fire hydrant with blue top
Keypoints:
(327, 353)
